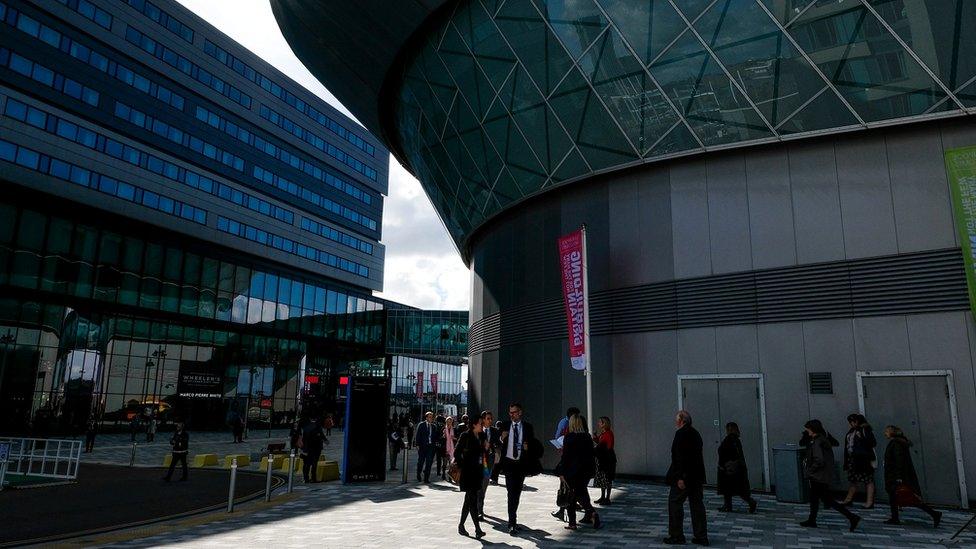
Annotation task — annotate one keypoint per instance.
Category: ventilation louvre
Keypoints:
(821, 383)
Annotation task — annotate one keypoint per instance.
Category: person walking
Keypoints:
(497, 469)
(489, 437)
(395, 438)
(860, 459)
(686, 476)
(562, 427)
(471, 456)
(91, 429)
(606, 459)
(180, 441)
(517, 461)
(900, 478)
(818, 468)
(426, 440)
(313, 440)
(448, 436)
(134, 426)
(151, 427)
(576, 468)
(440, 466)
(733, 475)
(411, 428)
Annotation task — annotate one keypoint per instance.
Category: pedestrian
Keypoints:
(491, 441)
(606, 459)
(461, 426)
(180, 441)
(410, 432)
(427, 438)
(151, 426)
(733, 475)
(448, 435)
(686, 476)
(294, 434)
(439, 449)
(576, 467)
(497, 469)
(818, 468)
(135, 426)
(395, 439)
(518, 460)
(313, 440)
(91, 429)
(237, 428)
(561, 429)
(860, 459)
(901, 480)
(471, 456)
(329, 424)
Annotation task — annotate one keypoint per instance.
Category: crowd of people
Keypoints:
(473, 452)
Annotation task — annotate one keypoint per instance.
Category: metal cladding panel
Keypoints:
(770, 209)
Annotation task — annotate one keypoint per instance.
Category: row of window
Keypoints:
(246, 71)
(72, 173)
(186, 66)
(46, 76)
(245, 136)
(178, 136)
(132, 155)
(166, 20)
(85, 54)
(90, 11)
(319, 143)
(322, 229)
(290, 246)
(307, 195)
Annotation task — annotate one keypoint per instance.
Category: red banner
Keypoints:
(571, 265)
(433, 383)
(420, 385)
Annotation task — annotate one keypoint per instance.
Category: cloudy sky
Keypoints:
(422, 267)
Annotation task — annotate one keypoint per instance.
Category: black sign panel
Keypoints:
(199, 380)
(364, 454)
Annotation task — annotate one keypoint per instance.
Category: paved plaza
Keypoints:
(415, 515)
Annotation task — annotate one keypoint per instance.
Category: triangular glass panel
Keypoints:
(692, 8)
(864, 62)
(479, 33)
(572, 166)
(535, 119)
(967, 94)
(433, 70)
(483, 152)
(589, 124)
(713, 107)
(512, 147)
(647, 26)
(940, 32)
(826, 111)
(577, 23)
(537, 47)
(786, 10)
(506, 189)
(760, 57)
(628, 91)
(679, 139)
(467, 75)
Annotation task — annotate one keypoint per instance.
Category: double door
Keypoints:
(713, 401)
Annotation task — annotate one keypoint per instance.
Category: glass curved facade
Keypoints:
(509, 98)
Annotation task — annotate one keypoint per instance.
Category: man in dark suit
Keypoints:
(686, 476)
(516, 438)
(428, 436)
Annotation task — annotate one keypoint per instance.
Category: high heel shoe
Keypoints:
(479, 533)
(462, 531)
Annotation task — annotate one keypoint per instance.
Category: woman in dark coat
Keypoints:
(859, 458)
(818, 468)
(576, 467)
(470, 455)
(733, 476)
(899, 471)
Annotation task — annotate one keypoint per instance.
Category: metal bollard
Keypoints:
(267, 486)
(132, 455)
(291, 471)
(405, 452)
(233, 482)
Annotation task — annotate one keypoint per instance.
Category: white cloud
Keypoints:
(423, 268)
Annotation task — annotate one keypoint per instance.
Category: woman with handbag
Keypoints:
(818, 469)
(901, 481)
(733, 475)
(576, 468)
(606, 459)
(859, 459)
(471, 459)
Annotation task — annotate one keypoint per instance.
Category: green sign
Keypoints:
(961, 165)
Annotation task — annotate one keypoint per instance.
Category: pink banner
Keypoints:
(433, 383)
(571, 265)
(420, 384)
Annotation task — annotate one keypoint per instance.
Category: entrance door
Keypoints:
(713, 402)
(920, 405)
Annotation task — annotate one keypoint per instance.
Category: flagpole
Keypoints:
(588, 372)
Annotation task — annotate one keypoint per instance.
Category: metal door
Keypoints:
(700, 398)
(899, 400)
(738, 401)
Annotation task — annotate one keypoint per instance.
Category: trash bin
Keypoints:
(790, 485)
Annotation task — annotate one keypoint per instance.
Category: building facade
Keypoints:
(184, 231)
(770, 230)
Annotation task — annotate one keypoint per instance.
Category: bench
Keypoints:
(243, 460)
(204, 460)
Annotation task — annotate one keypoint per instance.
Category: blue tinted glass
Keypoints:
(8, 151)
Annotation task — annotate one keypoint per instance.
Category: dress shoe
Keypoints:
(937, 519)
(855, 520)
(479, 533)
(893, 522)
(673, 541)
(559, 515)
(700, 541)
(462, 531)
(513, 530)
(752, 507)
(809, 524)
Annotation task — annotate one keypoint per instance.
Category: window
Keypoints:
(163, 18)
(46, 76)
(90, 11)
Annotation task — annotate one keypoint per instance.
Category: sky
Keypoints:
(423, 268)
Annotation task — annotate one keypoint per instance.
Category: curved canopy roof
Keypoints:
(493, 101)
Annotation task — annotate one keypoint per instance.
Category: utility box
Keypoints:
(790, 484)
